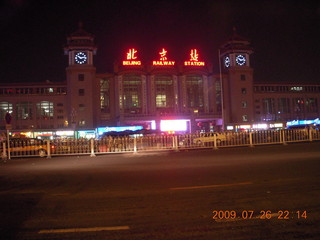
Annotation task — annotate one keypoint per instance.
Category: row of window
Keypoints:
(164, 92)
(26, 110)
(287, 105)
(311, 89)
(34, 91)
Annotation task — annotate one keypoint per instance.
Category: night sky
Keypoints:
(284, 34)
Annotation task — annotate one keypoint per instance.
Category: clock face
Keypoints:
(80, 57)
(240, 60)
(227, 61)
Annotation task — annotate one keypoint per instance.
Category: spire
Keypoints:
(80, 31)
(80, 39)
(236, 43)
(236, 37)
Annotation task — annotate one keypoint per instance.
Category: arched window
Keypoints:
(132, 92)
(195, 91)
(164, 91)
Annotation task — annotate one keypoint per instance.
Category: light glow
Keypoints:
(245, 126)
(276, 125)
(229, 127)
(194, 59)
(163, 59)
(102, 130)
(173, 125)
(65, 133)
(163, 55)
(303, 122)
(131, 59)
(131, 54)
(296, 88)
(240, 60)
(260, 126)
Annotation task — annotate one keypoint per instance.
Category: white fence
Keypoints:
(34, 147)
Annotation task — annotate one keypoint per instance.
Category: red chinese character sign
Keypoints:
(163, 61)
(131, 59)
(194, 59)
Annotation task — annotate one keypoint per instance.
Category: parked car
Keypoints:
(221, 137)
(28, 146)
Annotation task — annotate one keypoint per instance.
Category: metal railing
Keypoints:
(48, 148)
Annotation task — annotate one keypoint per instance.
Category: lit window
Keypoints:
(243, 90)
(161, 100)
(45, 110)
(245, 118)
(132, 92)
(82, 123)
(244, 104)
(164, 91)
(105, 95)
(4, 108)
(24, 110)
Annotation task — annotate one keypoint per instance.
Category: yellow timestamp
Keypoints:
(263, 214)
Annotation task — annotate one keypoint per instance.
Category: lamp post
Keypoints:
(8, 119)
(221, 89)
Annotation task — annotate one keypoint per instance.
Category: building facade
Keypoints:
(163, 94)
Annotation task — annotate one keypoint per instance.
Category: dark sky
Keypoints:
(285, 34)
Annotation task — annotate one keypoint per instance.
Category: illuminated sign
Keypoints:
(102, 130)
(163, 59)
(131, 59)
(260, 126)
(65, 133)
(194, 59)
(303, 122)
(173, 125)
(276, 125)
(229, 127)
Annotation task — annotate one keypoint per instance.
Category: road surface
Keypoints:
(265, 192)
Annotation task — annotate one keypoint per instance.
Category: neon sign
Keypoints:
(131, 58)
(173, 125)
(163, 59)
(194, 59)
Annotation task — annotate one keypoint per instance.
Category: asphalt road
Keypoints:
(266, 192)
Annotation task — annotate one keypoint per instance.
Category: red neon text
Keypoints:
(163, 63)
(194, 55)
(163, 55)
(194, 59)
(131, 54)
(163, 59)
(131, 63)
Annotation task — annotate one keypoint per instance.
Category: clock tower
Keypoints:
(237, 80)
(82, 94)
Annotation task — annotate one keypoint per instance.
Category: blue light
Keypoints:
(303, 122)
(102, 130)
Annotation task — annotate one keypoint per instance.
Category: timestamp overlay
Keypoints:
(227, 215)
